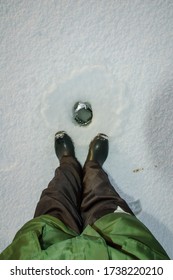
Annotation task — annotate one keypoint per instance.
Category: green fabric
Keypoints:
(117, 236)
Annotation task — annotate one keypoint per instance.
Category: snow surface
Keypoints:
(118, 56)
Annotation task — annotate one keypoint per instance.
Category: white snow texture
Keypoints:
(117, 55)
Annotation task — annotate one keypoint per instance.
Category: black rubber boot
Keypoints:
(63, 145)
(98, 149)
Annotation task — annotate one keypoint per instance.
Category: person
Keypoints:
(80, 215)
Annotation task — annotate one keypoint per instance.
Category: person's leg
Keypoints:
(62, 197)
(99, 196)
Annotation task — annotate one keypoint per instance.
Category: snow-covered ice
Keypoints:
(116, 55)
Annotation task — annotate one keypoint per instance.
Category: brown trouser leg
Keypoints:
(62, 197)
(99, 196)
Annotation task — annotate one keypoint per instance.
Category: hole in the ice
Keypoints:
(82, 113)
